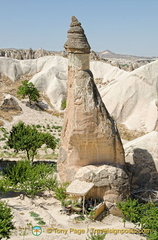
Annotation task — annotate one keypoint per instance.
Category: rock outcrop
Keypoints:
(110, 182)
(22, 54)
(10, 103)
(135, 98)
(142, 160)
(89, 136)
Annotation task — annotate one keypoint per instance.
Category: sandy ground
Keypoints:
(31, 116)
(61, 226)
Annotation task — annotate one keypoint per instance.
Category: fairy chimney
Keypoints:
(89, 135)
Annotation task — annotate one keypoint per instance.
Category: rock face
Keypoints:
(89, 135)
(131, 105)
(77, 41)
(142, 160)
(10, 103)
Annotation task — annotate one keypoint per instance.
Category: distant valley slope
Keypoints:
(130, 97)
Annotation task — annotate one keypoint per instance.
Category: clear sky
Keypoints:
(121, 26)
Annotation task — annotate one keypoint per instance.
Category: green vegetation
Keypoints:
(28, 90)
(27, 178)
(6, 217)
(60, 192)
(27, 138)
(41, 222)
(96, 236)
(131, 210)
(33, 214)
(37, 218)
(63, 104)
(144, 215)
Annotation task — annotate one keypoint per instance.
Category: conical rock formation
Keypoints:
(90, 135)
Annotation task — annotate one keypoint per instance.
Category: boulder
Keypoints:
(10, 103)
(110, 182)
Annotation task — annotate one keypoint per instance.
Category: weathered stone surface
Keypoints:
(110, 184)
(22, 54)
(111, 177)
(142, 162)
(90, 135)
(77, 41)
(10, 103)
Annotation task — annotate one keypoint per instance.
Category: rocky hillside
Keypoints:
(130, 97)
(125, 62)
(22, 54)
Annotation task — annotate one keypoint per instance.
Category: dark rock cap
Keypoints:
(77, 41)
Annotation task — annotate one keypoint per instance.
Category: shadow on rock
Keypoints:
(143, 176)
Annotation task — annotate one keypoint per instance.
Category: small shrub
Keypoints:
(131, 210)
(60, 192)
(149, 220)
(33, 214)
(41, 222)
(19, 172)
(95, 236)
(144, 215)
(38, 218)
(63, 104)
(38, 126)
(5, 147)
(2, 139)
(4, 185)
(51, 183)
(28, 178)
(6, 217)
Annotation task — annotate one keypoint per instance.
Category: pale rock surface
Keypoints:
(110, 182)
(89, 135)
(106, 73)
(141, 156)
(133, 99)
(49, 75)
(10, 103)
(23, 54)
(52, 79)
(130, 97)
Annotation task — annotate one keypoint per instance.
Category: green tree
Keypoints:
(28, 90)
(26, 138)
(6, 217)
